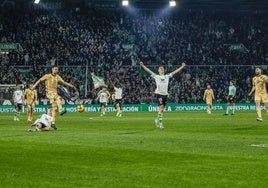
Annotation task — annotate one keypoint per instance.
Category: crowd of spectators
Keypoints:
(215, 46)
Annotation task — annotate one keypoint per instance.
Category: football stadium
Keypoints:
(134, 93)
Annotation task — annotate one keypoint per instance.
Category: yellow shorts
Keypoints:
(30, 105)
(263, 97)
(209, 101)
(52, 96)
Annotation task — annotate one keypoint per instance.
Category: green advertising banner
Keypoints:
(138, 107)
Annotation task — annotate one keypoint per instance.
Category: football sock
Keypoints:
(233, 109)
(160, 118)
(258, 111)
(53, 114)
(59, 104)
(227, 110)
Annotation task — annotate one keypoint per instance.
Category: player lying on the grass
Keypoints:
(43, 123)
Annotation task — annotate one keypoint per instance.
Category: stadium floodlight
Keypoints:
(125, 2)
(172, 3)
(36, 1)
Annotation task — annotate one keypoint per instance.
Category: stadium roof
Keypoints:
(204, 4)
(208, 3)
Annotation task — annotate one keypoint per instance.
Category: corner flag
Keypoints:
(97, 81)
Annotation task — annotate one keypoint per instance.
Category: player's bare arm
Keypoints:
(38, 81)
(72, 86)
(34, 86)
(61, 81)
(252, 90)
(178, 69)
(146, 68)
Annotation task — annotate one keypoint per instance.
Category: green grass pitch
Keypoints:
(194, 150)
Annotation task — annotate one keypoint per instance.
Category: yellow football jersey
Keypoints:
(259, 83)
(52, 81)
(30, 96)
(209, 94)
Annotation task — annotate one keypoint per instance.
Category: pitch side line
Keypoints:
(259, 145)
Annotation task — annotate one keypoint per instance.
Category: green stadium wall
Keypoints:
(139, 107)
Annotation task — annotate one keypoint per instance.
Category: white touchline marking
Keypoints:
(259, 145)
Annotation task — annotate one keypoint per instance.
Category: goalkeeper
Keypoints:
(51, 82)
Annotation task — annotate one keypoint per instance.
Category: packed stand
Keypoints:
(112, 46)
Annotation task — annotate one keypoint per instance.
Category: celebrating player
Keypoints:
(30, 95)
(51, 81)
(162, 81)
(18, 99)
(208, 97)
(259, 86)
(103, 97)
(231, 98)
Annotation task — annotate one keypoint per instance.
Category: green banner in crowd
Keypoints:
(139, 107)
(8, 46)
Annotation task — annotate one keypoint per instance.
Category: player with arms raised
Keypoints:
(51, 81)
(259, 86)
(162, 81)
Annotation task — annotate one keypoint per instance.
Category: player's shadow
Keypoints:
(136, 132)
(246, 128)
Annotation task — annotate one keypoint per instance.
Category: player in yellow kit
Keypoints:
(259, 86)
(208, 97)
(30, 95)
(51, 81)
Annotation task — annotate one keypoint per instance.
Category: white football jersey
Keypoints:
(118, 92)
(162, 82)
(103, 95)
(45, 119)
(18, 96)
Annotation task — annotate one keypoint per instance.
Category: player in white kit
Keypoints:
(18, 98)
(117, 98)
(43, 123)
(103, 97)
(161, 92)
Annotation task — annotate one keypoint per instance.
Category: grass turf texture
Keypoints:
(194, 150)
